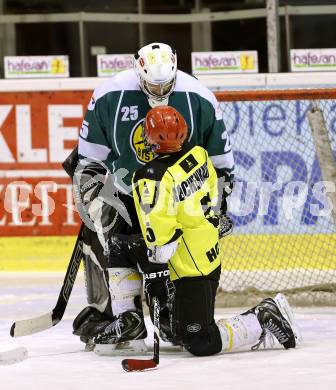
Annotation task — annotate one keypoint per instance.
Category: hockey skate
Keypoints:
(276, 319)
(88, 323)
(125, 335)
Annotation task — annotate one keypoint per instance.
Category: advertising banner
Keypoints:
(313, 60)
(220, 62)
(278, 180)
(109, 64)
(38, 130)
(279, 187)
(36, 67)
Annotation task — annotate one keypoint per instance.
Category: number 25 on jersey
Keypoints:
(129, 113)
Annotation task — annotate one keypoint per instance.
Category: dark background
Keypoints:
(62, 38)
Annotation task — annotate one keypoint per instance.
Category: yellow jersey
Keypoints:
(174, 195)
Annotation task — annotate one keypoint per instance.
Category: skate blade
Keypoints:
(129, 348)
(287, 312)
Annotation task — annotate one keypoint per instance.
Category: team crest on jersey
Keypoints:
(143, 155)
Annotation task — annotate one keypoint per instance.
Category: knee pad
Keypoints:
(205, 344)
(96, 284)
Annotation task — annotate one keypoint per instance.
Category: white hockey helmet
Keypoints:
(156, 67)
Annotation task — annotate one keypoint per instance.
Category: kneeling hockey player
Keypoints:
(175, 195)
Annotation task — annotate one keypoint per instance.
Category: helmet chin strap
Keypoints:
(155, 103)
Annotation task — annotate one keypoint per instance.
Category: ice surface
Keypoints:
(57, 361)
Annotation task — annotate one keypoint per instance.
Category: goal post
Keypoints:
(283, 201)
(324, 151)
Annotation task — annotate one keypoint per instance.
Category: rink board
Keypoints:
(35, 253)
(262, 252)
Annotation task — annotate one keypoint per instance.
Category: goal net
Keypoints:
(282, 204)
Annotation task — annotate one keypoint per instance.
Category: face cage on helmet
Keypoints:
(148, 147)
(154, 96)
(155, 148)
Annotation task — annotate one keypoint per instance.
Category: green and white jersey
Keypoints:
(112, 128)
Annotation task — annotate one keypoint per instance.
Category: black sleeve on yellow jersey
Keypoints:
(213, 182)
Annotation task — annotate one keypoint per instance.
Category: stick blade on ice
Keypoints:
(52, 318)
(32, 325)
(13, 356)
(138, 365)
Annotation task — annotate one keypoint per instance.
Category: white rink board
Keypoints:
(214, 82)
(56, 360)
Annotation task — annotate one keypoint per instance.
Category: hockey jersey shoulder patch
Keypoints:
(189, 163)
(147, 191)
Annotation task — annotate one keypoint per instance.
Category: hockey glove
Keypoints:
(71, 162)
(158, 285)
(225, 187)
(225, 225)
(88, 182)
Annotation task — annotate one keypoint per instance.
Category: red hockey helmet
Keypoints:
(165, 129)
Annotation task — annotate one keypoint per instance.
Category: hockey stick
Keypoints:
(140, 364)
(13, 356)
(46, 321)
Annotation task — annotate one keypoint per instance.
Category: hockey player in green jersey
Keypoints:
(175, 196)
(111, 141)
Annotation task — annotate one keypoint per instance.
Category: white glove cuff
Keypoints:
(161, 254)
